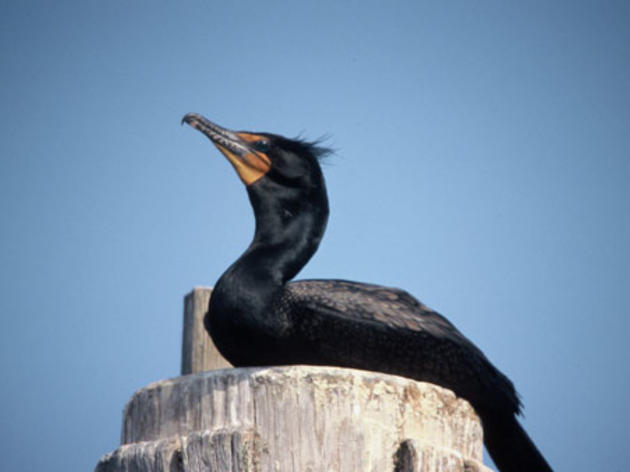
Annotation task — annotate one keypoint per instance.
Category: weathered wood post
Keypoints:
(198, 351)
(290, 419)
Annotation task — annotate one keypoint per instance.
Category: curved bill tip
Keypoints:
(191, 119)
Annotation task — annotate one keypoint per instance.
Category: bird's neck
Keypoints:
(286, 237)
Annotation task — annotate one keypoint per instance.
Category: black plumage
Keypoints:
(258, 317)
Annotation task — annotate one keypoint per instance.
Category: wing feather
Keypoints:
(387, 329)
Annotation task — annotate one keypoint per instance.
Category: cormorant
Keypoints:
(257, 317)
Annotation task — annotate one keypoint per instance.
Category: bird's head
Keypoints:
(283, 178)
(287, 162)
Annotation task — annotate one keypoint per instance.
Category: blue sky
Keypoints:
(483, 164)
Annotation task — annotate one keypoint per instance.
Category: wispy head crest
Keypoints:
(315, 148)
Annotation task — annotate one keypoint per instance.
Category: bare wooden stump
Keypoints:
(296, 419)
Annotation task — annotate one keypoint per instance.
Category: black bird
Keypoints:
(257, 317)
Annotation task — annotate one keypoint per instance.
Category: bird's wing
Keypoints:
(387, 329)
(388, 306)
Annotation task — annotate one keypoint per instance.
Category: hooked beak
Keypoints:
(250, 165)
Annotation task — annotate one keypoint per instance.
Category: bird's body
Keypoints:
(362, 326)
(258, 317)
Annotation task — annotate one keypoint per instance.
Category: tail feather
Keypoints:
(509, 445)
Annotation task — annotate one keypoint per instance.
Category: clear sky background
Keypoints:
(483, 164)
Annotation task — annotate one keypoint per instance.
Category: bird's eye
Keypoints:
(261, 146)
